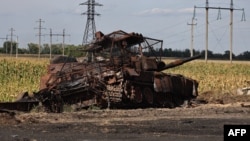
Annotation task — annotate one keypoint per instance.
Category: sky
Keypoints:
(161, 19)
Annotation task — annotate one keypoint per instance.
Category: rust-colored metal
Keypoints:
(119, 71)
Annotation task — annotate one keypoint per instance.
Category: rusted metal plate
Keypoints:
(65, 67)
(131, 72)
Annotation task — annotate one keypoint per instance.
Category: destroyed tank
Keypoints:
(118, 71)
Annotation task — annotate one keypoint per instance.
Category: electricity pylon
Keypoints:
(90, 29)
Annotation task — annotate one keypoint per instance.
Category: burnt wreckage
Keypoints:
(118, 71)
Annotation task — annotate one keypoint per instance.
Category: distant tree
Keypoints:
(196, 52)
(218, 56)
(2, 50)
(73, 50)
(244, 56)
(186, 53)
(33, 48)
(167, 52)
(209, 54)
(23, 51)
(46, 49)
(56, 49)
(7, 47)
(227, 55)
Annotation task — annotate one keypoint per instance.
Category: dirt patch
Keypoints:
(225, 98)
(197, 122)
(8, 118)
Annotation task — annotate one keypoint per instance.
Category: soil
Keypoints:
(197, 122)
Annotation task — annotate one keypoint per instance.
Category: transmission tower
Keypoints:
(11, 40)
(90, 29)
(40, 21)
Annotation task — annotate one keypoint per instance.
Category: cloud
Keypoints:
(156, 11)
(186, 10)
(166, 11)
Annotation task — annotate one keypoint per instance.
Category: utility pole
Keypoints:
(11, 40)
(90, 28)
(192, 35)
(17, 46)
(50, 49)
(40, 21)
(231, 24)
(63, 35)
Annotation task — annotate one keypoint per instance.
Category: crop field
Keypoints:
(20, 75)
(23, 74)
(219, 77)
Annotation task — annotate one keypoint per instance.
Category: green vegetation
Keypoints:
(33, 49)
(23, 74)
(20, 75)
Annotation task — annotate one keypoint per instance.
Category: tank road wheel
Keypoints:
(161, 99)
(138, 95)
(164, 100)
(149, 95)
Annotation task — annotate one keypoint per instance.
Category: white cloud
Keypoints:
(156, 11)
(186, 10)
(165, 11)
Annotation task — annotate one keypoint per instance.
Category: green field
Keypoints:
(18, 75)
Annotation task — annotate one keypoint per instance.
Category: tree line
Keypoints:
(168, 52)
(33, 48)
(74, 50)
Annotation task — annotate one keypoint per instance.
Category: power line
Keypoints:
(219, 17)
(17, 46)
(63, 35)
(216, 37)
(6, 38)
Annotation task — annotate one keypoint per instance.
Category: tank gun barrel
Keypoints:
(179, 62)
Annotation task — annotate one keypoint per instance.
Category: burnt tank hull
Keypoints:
(119, 71)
